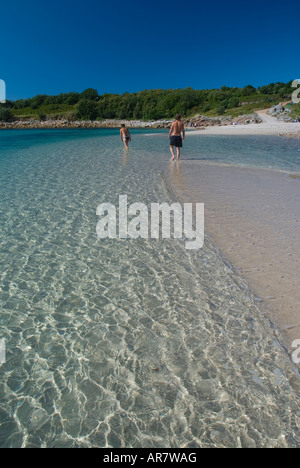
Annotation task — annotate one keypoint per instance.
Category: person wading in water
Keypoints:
(177, 128)
(125, 135)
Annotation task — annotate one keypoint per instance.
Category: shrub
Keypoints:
(221, 110)
(72, 99)
(89, 94)
(42, 117)
(233, 102)
(87, 110)
(248, 90)
(206, 108)
(5, 115)
(37, 101)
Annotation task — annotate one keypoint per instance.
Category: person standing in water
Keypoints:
(125, 135)
(176, 130)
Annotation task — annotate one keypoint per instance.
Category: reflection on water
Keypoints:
(177, 179)
(125, 343)
(125, 156)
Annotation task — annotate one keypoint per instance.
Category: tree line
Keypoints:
(148, 104)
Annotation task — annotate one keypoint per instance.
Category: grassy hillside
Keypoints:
(149, 105)
(296, 111)
(49, 111)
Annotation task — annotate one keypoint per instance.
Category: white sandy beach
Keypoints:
(269, 126)
(252, 215)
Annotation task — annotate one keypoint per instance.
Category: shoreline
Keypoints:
(251, 218)
(66, 124)
(160, 333)
(201, 121)
(258, 123)
(269, 126)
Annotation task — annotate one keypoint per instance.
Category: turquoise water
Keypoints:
(269, 152)
(128, 343)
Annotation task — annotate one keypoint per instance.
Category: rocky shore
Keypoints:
(281, 113)
(60, 123)
(198, 121)
(290, 135)
(204, 121)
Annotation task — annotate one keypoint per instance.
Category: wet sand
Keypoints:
(253, 217)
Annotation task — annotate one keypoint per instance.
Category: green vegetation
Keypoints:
(296, 111)
(149, 105)
(42, 117)
(5, 114)
(87, 109)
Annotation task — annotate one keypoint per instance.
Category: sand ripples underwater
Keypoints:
(125, 343)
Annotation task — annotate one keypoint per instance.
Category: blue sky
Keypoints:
(116, 47)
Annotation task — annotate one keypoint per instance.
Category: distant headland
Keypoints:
(148, 108)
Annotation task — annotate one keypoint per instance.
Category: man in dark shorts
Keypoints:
(125, 136)
(177, 128)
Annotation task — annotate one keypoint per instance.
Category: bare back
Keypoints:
(124, 131)
(177, 128)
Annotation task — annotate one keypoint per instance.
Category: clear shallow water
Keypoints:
(123, 343)
(269, 152)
